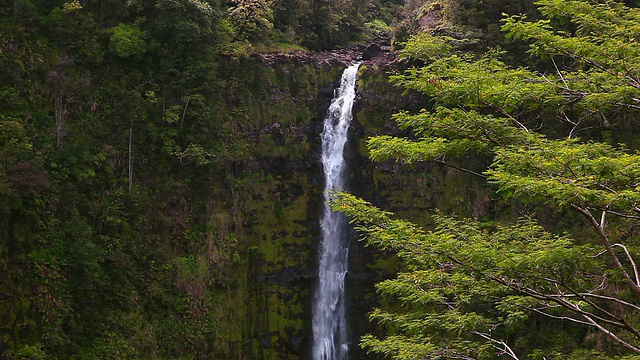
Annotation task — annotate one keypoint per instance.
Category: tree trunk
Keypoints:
(60, 114)
(130, 157)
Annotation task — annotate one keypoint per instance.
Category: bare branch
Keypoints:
(630, 258)
(609, 248)
(468, 171)
(620, 321)
(611, 334)
(506, 114)
(559, 73)
(501, 345)
(184, 111)
(610, 298)
(566, 318)
(625, 216)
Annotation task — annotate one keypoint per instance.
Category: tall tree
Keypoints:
(470, 288)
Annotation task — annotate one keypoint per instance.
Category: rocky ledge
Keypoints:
(378, 54)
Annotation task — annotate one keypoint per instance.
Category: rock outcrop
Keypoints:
(377, 53)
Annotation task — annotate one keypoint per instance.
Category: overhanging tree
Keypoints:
(468, 287)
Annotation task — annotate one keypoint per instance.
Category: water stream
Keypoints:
(330, 340)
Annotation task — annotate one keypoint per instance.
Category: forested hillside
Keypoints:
(160, 185)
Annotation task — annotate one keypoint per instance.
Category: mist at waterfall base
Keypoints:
(330, 333)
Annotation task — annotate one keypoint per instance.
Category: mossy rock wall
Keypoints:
(278, 182)
(281, 198)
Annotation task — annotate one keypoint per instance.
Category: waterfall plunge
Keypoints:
(329, 320)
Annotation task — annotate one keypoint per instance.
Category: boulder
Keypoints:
(372, 51)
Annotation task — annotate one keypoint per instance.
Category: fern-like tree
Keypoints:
(469, 289)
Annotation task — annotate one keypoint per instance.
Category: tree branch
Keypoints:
(630, 258)
(442, 162)
(502, 346)
(611, 335)
(609, 248)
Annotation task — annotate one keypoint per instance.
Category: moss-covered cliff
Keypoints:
(278, 190)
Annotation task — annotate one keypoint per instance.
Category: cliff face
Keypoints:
(280, 201)
(280, 197)
(279, 193)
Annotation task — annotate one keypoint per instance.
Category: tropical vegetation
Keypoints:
(554, 136)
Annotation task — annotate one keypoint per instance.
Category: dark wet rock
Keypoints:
(372, 51)
(295, 342)
(265, 341)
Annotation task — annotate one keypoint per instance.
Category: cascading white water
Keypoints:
(329, 320)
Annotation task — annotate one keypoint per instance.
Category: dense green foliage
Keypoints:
(479, 290)
(475, 23)
(124, 132)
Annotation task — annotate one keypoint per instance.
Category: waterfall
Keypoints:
(329, 320)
